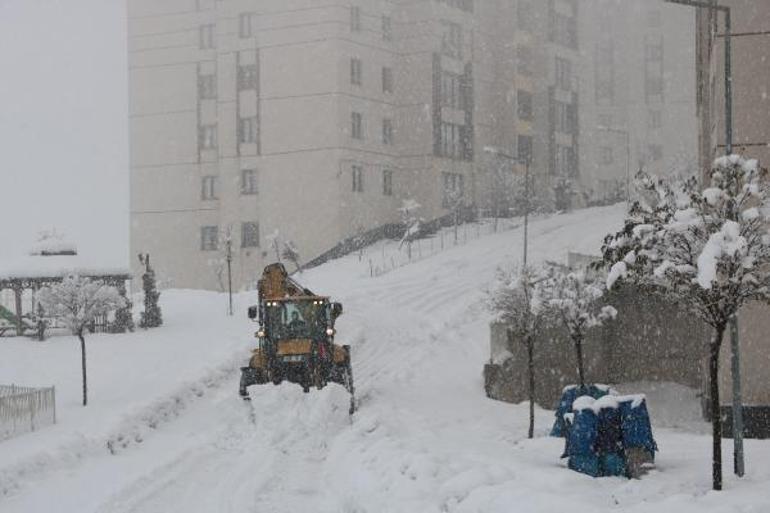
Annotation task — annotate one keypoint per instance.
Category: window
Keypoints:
(357, 125)
(524, 101)
(605, 155)
(653, 52)
(206, 37)
(248, 130)
(356, 71)
(451, 40)
(209, 238)
(655, 120)
(387, 182)
(450, 91)
(247, 77)
(464, 5)
(450, 140)
(207, 137)
(655, 152)
(525, 148)
(209, 188)
(605, 71)
(525, 15)
(355, 18)
(249, 182)
(387, 80)
(654, 85)
(564, 117)
(207, 87)
(524, 64)
(565, 163)
(249, 235)
(454, 189)
(563, 74)
(357, 173)
(454, 141)
(246, 23)
(387, 28)
(564, 30)
(654, 18)
(387, 132)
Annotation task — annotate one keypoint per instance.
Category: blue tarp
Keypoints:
(568, 398)
(597, 438)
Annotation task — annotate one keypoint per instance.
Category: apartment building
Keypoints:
(256, 121)
(639, 110)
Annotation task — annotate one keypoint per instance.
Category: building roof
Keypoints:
(54, 267)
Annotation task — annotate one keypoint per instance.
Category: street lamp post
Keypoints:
(229, 258)
(527, 163)
(738, 458)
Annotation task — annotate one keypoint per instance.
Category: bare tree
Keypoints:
(708, 249)
(78, 302)
(516, 304)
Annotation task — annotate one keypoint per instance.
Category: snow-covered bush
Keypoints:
(573, 297)
(152, 317)
(78, 302)
(708, 249)
(515, 303)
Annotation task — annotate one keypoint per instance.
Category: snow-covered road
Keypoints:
(425, 438)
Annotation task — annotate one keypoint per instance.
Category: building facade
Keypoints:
(639, 110)
(256, 124)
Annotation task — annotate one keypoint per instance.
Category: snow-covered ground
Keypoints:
(166, 432)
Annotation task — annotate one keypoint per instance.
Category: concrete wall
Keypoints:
(651, 340)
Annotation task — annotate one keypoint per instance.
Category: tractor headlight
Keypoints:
(331, 332)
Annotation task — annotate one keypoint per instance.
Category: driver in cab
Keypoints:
(296, 325)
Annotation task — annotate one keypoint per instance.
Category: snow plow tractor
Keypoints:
(295, 338)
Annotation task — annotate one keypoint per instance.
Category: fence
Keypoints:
(391, 255)
(24, 409)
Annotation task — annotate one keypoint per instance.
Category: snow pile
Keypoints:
(727, 242)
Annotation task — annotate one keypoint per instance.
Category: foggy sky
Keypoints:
(64, 124)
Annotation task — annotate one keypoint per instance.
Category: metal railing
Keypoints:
(25, 409)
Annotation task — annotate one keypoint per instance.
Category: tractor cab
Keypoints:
(296, 337)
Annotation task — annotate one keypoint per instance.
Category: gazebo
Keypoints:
(49, 262)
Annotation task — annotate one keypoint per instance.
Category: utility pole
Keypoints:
(738, 454)
(527, 166)
(229, 258)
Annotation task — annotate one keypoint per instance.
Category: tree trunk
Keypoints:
(83, 366)
(716, 417)
(531, 368)
(579, 351)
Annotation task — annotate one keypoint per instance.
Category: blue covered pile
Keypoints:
(602, 432)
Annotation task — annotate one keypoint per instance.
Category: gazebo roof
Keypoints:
(40, 268)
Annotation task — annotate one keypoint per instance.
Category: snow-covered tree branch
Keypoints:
(573, 296)
(709, 249)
